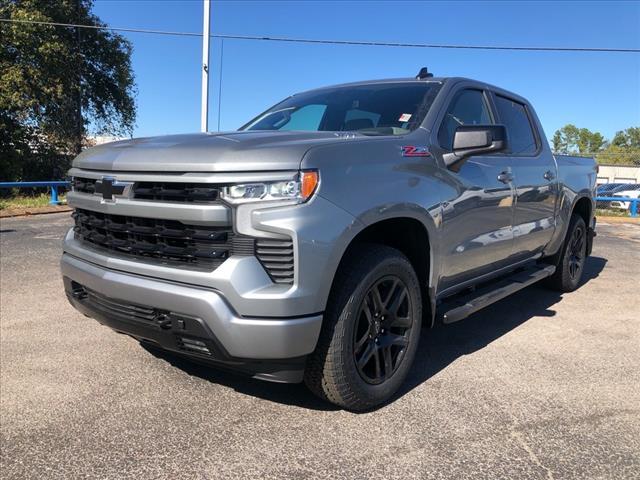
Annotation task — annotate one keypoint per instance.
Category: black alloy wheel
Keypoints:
(382, 330)
(570, 261)
(370, 332)
(577, 252)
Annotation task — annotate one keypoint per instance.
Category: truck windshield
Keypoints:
(370, 109)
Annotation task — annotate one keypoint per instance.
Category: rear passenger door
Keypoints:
(535, 177)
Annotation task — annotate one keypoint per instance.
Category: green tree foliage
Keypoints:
(571, 140)
(57, 85)
(629, 138)
(624, 149)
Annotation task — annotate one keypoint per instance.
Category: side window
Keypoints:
(468, 107)
(513, 115)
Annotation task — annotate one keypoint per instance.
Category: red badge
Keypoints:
(414, 151)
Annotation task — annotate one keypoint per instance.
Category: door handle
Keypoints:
(505, 177)
(549, 175)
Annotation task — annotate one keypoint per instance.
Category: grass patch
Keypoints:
(612, 212)
(31, 201)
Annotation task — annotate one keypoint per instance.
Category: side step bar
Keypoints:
(492, 293)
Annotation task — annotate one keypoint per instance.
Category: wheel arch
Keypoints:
(583, 206)
(411, 237)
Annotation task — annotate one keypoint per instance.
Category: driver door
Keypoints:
(478, 198)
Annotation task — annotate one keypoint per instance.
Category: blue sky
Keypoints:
(599, 91)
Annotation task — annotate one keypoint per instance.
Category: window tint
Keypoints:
(305, 118)
(467, 108)
(359, 119)
(513, 115)
(370, 109)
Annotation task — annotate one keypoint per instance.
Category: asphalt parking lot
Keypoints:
(540, 385)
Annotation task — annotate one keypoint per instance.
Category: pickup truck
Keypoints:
(317, 241)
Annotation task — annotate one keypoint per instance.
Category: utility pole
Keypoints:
(78, 93)
(204, 118)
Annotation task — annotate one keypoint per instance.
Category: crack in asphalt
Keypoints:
(532, 455)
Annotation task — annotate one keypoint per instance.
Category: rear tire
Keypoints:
(572, 257)
(370, 331)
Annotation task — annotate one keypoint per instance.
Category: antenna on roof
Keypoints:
(424, 73)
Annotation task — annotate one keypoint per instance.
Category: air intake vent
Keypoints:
(276, 256)
(117, 308)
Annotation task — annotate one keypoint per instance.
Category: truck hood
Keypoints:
(209, 152)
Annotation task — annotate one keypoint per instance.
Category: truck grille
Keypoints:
(166, 241)
(181, 192)
(176, 192)
(84, 185)
(276, 256)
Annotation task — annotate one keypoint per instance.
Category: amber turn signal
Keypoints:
(309, 182)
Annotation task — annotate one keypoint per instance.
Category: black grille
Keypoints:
(170, 329)
(161, 191)
(118, 308)
(177, 192)
(166, 241)
(276, 256)
(84, 185)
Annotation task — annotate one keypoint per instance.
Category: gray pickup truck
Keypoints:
(314, 243)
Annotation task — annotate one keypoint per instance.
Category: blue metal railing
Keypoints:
(52, 185)
(633, 206)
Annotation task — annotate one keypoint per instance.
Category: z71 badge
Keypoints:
(414, 151)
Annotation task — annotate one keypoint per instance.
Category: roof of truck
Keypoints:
(440, 80)
(383, 80)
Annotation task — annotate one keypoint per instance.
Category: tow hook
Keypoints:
(79, 293)
(164, 321)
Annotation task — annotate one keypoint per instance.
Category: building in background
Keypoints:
(618, 174)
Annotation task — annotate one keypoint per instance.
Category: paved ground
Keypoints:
(537, 386)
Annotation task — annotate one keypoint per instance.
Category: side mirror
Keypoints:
(471, 140)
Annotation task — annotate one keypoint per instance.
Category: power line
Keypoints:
(328, 41)
(427, 45)
(101, 27)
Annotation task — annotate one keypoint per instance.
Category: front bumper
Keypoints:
(191, 320)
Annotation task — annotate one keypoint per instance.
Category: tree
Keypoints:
(624, 148)
(571, 140)
(58, 84)
(629, 138)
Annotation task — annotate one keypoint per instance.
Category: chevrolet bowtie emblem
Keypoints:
(109, 186)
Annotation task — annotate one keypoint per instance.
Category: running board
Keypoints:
(497, 291)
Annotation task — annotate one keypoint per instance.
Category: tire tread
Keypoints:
(325, 374)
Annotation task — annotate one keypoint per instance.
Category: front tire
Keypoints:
(370, 332)
(572, 257)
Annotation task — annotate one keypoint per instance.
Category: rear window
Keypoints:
(513, 115)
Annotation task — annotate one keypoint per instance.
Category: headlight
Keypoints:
(298, 189)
